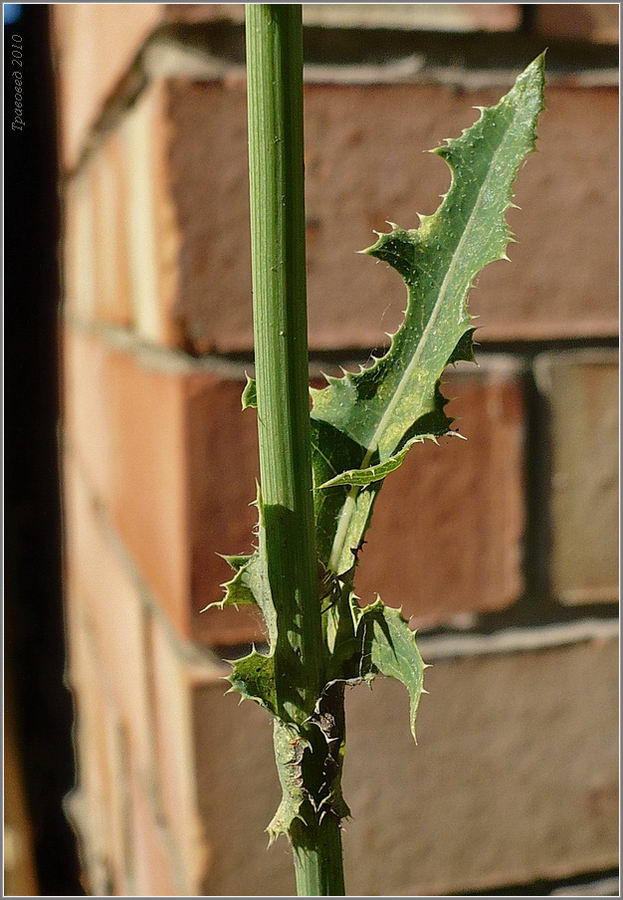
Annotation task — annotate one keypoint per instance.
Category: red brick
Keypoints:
(417, 16)
(188, 269)
(220, 514)
(176, 673)
(122, 242)
(358, 174)
(110, 248)
(157, 448)
(581, 392)
(447, 529)
(97, 804)
(508, 732)
(154, 865)
(104, 600)
(152, 223)
(204, 12)
(95, 46)
(79, 247)
(127, 425)
(174, 461)
(598, 22)
(492, 16)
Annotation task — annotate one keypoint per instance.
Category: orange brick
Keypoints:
(95, 46)
(121, 235)
(359, 174)
(127, 848)
(598, 22)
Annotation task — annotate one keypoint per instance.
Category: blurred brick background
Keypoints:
(503, 548)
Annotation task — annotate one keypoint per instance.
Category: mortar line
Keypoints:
(517, 640)
(516, 355)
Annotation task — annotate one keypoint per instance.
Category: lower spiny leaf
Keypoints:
(388, 647)
(253, 677)
(376, 640)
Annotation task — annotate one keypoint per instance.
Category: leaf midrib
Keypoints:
(347, 509)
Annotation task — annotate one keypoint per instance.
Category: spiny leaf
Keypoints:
(378, 472)
(239, 590)
(249, 394)
(373, 640)
(249, 586)
(366, 419)
(253, 677)
(388, 647)
(290, 748)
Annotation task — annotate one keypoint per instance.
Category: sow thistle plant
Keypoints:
(321, 471)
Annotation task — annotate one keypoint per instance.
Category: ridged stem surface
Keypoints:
(287, 535)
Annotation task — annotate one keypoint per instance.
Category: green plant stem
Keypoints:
(318, 863)
(280, 324)
(287, 535)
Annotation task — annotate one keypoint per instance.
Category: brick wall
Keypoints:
(504, 548)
